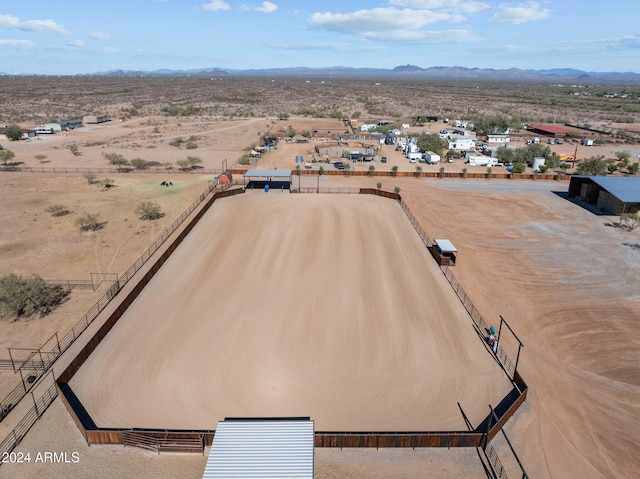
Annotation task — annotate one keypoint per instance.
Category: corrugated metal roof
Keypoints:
(549, 129)
(269, 173)
(261, 449)
(445, 245)
(625, 188)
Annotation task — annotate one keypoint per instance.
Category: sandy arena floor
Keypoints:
(284, 305)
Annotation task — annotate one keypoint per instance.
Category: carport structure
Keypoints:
(275, 179)
(261, 448)
(614, 195)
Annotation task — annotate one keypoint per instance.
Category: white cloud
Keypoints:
(464, 6)
(100, 36)
(521, 13)
(22, 44)
(38, 26)
(216, 5)
(364, 22)
(390, 24)
(267, 7)
(76, 44)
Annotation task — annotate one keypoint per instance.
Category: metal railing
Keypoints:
(39, 407)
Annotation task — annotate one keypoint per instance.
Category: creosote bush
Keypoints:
(148, 210)
(89, 222)
(58, 210)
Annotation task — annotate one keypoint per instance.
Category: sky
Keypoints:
(78, 36)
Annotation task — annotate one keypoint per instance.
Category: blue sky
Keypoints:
(73, 36)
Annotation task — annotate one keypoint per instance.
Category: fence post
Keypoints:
(35, 404)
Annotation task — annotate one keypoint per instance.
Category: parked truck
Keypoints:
(431, 158)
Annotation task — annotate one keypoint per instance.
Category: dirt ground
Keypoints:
(334, 311)
(563, 277)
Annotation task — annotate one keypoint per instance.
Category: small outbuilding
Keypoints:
(274, 179)
(614, 195)
(92, 119)
(444, 252)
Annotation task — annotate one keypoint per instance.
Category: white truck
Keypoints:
(431, 158)
(477, 160)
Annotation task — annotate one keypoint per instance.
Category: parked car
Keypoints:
(383, 159)
(339, 165)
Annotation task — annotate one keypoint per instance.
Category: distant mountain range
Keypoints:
(557, 75)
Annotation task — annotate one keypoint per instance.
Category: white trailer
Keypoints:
(431, 158)
(477, 160)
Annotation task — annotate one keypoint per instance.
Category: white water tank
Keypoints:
(538, 161)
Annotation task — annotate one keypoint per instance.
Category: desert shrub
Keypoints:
(74, 149)
(630, 221)
(418, 171)
(519, 168)
(89, 222)
(107, 183)
(40, 157)
(58, 210)
(191, 145)
(396, 190)
(22, 297)
(283, 116)
(244, 160)
(379, 185)
(90, 177)
(464, 172)
(441, 172)
(394, 170)
(371, 170)
(177, 142)
(148, 210)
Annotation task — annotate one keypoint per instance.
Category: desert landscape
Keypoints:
(564, 278)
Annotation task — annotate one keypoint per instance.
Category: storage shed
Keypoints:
(613, 195)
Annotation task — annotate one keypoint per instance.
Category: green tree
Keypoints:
(394, 170)
(623, 155)
(593, 166)
(6, 156)
(22, 297)
(371, 170)
(489, 171)
(434, 143)
(13, 132)
(505, 154)
(396, 190)
(148, 210)
(633, 169)
(464, 172)
(418, 171)
(441, 172)
(283, 116)
(139, 163)
(40, 157)
(116, 159)
(491, 124)
(529, 152)
(194, 161)
(321, 170)
(379, 185)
